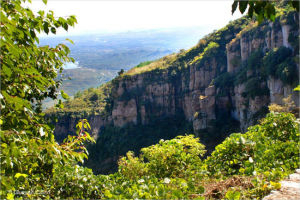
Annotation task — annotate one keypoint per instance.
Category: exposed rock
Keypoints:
(233, 56)
(125, 112)
(285, 35)
(278, 91)
(290, 189)
(137, 99)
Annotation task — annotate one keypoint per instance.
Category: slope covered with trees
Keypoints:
(34, 165)
(223, 84)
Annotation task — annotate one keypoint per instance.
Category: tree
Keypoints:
(121, 72)
(30, 157)
(262, 9)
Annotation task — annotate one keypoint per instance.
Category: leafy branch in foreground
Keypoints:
(31, 160)
(262, 9)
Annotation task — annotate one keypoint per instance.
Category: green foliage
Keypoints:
(96, 101)
(36, 164)
(287, 72)
(272, 146)
(280, 64)
(233, 195)
(173, 169)
(142, 64)
(262, 9)
(163, 171)
(115, 142)
(254, 88)
(275, 57)
(121, 72)
(173, 158)
(28, 70)
(209, 50)
(148, 187)
(224, 81)
(33, 165)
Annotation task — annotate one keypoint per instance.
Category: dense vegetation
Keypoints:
(115, 141)
(243, 166)
(34, 165)
(253, 73)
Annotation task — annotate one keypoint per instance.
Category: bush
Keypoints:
(171, 158)
(287, 72)
(272, 146)
(253, 88)
(224, 80)
(273, 58)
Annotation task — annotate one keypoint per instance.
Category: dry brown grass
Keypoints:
(216, 189)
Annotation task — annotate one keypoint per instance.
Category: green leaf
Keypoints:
(108, 194)
(45, 1)
(234, 6)
(64, 95)
(10, 196)
(233, 195)
(297, 88)
(53, 30)
(7, 71)
(251, 10)
(20, 175)
(46, 27)
(242, 6)
(32, 33)
(71, 41)
(65, 26)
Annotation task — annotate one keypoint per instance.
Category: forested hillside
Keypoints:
(222, 85)
(186, 103)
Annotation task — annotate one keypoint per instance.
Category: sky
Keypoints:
(100, 16)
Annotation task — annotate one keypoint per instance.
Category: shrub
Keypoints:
(171, 158)
(272, 146)
(253, 88)
(224, 80)
(275, 57)
(287, 72)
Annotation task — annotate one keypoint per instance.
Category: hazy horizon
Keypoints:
(109, 17)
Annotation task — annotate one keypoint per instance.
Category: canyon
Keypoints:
(216, 82)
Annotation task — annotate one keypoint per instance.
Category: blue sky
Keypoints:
(119, 16)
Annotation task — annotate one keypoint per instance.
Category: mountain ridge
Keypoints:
(223, 84)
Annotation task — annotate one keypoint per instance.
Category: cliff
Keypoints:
(223, 84)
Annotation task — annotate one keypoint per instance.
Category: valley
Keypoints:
(224, 84)
(100, 56)
(173, 113)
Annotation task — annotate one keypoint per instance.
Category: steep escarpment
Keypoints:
(264, 61)
(221, 85)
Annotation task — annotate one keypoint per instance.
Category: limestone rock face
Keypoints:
(125, 112)
(164, 97)
(233, 55)
(190, 91)
(285, 35)
(278, 91)
(245, 110)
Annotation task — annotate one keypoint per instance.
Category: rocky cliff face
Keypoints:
(265, 37)
(201, 84)
(139, 98)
